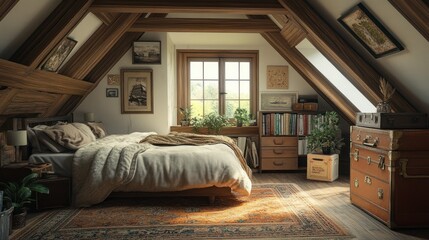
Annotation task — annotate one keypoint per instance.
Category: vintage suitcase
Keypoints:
(392, 120)
(390, 174)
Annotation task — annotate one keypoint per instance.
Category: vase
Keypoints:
(18, 220)
(383, 107)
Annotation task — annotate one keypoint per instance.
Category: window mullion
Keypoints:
(222, 90)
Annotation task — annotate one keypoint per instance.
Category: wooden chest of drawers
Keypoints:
(389, 175)
(279, 153)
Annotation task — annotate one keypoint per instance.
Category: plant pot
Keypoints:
(239, 123)
(384, 107)
(326, 150)
(18, 220)
(184, 123)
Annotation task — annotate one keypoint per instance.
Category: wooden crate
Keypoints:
(322, 167)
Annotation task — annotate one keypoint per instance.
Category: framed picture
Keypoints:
(113, 79)
(58, 55)
(277, 77)
(137, 91)
(112, 92)
(281, 101)
(369, 31)
(147, 52)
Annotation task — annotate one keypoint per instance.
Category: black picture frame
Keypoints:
(58, 55)
(112, 92)
(368, 30)
(147, 52)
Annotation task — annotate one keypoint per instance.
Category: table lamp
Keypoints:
(17, 138)
(89, 117)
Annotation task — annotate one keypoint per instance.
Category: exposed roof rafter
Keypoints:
(6, 6)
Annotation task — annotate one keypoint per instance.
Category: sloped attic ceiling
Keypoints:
(26, 90)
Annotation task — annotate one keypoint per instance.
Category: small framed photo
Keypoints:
(369, 31)
(113, 79)
(147, 52)
(280, 101)
(136, 91)
(112, 92)
(58, 55)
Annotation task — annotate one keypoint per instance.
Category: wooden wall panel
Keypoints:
(30, 102)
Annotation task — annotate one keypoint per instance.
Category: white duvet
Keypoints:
(120, 163)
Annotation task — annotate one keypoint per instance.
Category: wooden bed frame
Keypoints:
(210, 192)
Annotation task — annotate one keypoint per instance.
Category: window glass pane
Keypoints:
(245, 104)
(211, 106)
(197, 90)
(231, 70)
(211, 70)
(244, 89)
(230, 108)
(231, 88)
(197, 108)
(244, 71)
(335, 77)
(211, 90)
(196, 70)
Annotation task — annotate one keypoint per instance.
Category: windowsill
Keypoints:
(228, 131)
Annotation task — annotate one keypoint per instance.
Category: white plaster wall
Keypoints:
(108, 110)
(408, 69)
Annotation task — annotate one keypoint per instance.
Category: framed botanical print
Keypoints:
(277, 77)
(369, 31)
(58, 55)
(137, 91)
(147, 52)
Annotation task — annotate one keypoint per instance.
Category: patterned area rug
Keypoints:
(274, 211)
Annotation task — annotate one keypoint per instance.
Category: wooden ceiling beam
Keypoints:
(313, 76)
(416, 12)
(352, 65)
(204, 25)
(189, 6)
(6, 6)
(100, 70)
(106, 17)
(97, 46)
(15, 75)
(50, 33)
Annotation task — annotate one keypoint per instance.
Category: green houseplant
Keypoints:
(325, 134)
(213, 121)
(241, 116)
(186, 113)
(18, 195)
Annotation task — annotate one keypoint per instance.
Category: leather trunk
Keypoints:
(392, 120)
(388, 179)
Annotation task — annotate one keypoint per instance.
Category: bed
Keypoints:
(142, 164)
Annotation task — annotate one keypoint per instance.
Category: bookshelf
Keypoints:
(283, 139)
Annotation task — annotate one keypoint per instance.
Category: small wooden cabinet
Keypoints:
(279, 153)
(59, 193)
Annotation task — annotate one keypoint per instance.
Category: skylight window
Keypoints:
(335, 77)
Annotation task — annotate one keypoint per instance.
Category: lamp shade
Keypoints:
(89, 117)
(16, 138)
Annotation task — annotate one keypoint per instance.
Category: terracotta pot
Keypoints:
(18, 220)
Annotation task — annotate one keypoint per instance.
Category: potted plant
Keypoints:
(18, 195)
(241, 116)
(213, 121)
(186, 115)
(325, 134)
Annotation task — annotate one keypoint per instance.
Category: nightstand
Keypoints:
(17, 171)
(59, 193)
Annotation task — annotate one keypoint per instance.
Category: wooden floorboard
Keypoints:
(334, 199)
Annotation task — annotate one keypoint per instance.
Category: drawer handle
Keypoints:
(278, 163)
(367, 142)
(403, 170)
(368, 180)
(381, 164)
(278, 141)
(380, 193)
(277, 151)
(356, 155)
(368, 160)
(356, 183)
